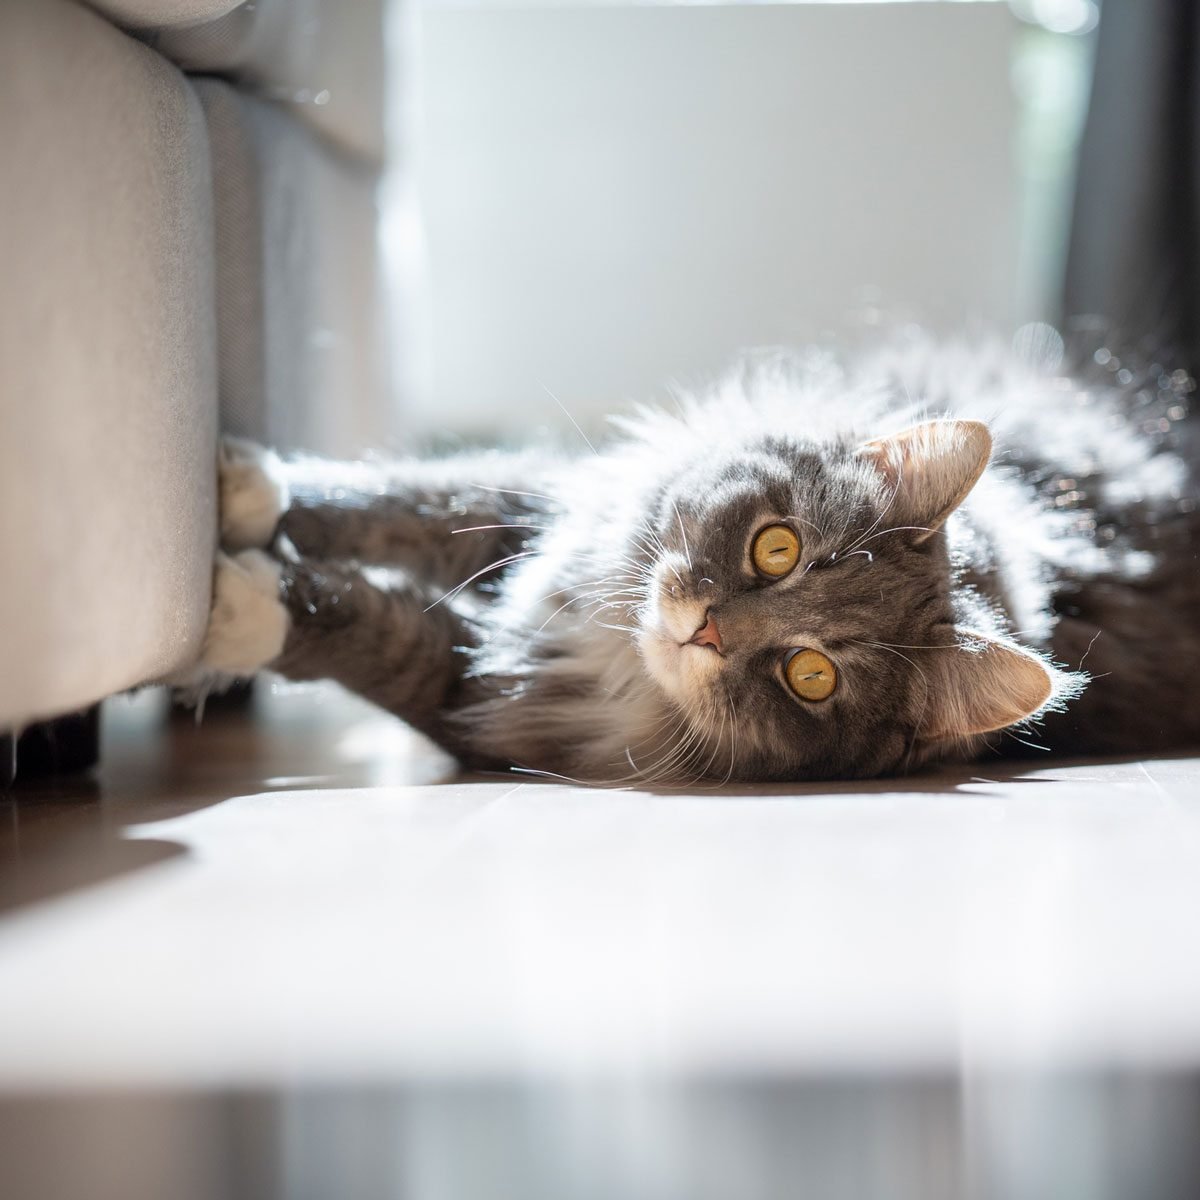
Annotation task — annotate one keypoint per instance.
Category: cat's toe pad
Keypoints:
(248, 624)
(254, 494)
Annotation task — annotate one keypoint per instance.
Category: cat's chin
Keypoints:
(682, 671)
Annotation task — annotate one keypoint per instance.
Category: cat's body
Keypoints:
(606, 618)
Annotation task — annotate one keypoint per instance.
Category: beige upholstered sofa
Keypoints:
(187, 241)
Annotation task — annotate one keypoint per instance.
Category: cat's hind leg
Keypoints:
(377, 632)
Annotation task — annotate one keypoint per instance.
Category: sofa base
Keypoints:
(63, 746)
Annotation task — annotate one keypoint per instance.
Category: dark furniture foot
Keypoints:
(58, 747)
(8, 759)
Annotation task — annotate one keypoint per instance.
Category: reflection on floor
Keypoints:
(290, 941)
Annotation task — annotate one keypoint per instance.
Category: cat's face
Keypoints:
(799, 609)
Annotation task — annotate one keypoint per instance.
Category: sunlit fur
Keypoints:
(1072, 556)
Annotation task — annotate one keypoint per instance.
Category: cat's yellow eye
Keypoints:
(810, 675)
(775, 551)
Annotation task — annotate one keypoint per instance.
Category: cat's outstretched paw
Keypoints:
(248, 624)
(253, 494)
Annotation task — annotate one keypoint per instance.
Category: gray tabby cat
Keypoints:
(800, 575)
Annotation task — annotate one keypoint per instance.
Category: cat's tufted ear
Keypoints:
(978, 684)
(930, 469)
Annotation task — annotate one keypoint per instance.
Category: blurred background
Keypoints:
(606, 197)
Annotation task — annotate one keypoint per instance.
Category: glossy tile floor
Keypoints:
(299, 905)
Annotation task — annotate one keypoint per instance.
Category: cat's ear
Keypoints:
(978, 684)
(930, 468)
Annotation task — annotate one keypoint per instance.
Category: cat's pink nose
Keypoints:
(708, 634)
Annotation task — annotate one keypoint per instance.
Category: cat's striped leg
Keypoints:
(371, 630)
(380, 634)
(247, 625)
(444, 519)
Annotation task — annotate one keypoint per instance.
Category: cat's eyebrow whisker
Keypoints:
(893, 650)
(887, 508)
(805, 521)
(904, 646)
(898, 529)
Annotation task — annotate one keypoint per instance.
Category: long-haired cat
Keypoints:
(812, 571)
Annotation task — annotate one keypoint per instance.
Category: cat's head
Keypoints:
(800, 609)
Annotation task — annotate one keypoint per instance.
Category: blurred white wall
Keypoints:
(612, 197)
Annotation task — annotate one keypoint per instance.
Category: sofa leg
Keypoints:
(8, 760)
(59, 747)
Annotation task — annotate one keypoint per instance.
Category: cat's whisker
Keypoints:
(541, 774)
(676, 754)
(716, 745)
(924, 699)
(500, 525)
(1031, 745)
(561, 607)
(732, 738)
(653, 771)
(500, 562)
(567, 414)
(569, 587)
(483, 487)
(639, 772)
(593, 597)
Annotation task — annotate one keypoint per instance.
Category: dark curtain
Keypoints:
(1134, 256)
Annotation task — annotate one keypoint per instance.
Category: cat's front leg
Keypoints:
(253, 494)
(377, 632)
(247, 624)
(381, 634)
(447, 520)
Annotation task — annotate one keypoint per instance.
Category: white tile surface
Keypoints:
(1039, 919)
